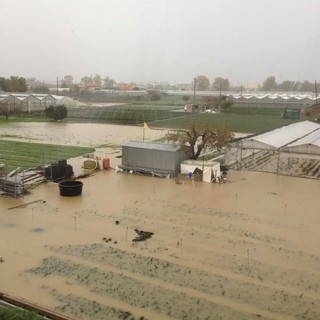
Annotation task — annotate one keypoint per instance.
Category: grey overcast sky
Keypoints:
(161, 40)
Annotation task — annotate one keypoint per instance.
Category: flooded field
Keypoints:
(82, 134)
(245, 249)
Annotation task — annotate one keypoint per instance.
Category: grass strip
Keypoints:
(29, 155)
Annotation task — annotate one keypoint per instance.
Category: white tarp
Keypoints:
(211, 170)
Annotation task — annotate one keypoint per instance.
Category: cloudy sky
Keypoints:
(161, 40)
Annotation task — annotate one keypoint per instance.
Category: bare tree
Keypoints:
(5, 109)
(199, 137)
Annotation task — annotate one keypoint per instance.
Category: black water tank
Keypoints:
(68, 171)
(70, 188)
(62, 163)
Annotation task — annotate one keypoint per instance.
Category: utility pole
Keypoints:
(57, 85)
(194, 91)
(219, 98)
(316, 90)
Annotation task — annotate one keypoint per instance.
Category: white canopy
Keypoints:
(210, 169)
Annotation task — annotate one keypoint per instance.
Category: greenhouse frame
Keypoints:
(35, 102)
(299, 140)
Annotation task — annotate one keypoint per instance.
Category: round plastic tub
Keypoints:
(70, 188)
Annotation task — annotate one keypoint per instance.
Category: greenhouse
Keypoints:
(290, 150)
(35, 102)
(123, 114)
(273, 100)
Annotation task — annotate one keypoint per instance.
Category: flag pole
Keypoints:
(145, 126)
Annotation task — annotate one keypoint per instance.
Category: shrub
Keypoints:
(56, 112)
(155, 97)
(18, 314)
(185, 98)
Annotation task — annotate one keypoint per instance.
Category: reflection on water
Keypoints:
(10, 225)
(37, 230)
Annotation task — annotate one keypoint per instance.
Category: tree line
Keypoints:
(270, 84)
(13, 84)
(202, 83)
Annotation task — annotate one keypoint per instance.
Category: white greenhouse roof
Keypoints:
(26, 96)
(283, 136)
(57, 97)
(274, 96)
(311, 139)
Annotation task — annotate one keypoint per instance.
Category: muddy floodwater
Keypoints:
(78, 134)
(244, 249)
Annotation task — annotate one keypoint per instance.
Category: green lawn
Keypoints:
(23, 118)
(30, 155)
(255, 111)
(235, 122)
(18, 314)
(164, 100)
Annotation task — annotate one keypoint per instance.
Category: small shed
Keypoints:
(210, 169)
(291, 114)
(191, 108)
(154, 158)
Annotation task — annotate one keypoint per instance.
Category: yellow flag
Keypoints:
(145, 126)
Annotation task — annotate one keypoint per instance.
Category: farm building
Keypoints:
(191, 108)
(292, 150)
(291, 114)
(152, 158)
(311, 113)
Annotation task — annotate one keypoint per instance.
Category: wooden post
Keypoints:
(278, 162)
(285, 208)
(236, 202)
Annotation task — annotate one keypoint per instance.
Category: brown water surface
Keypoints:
(245, 249)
